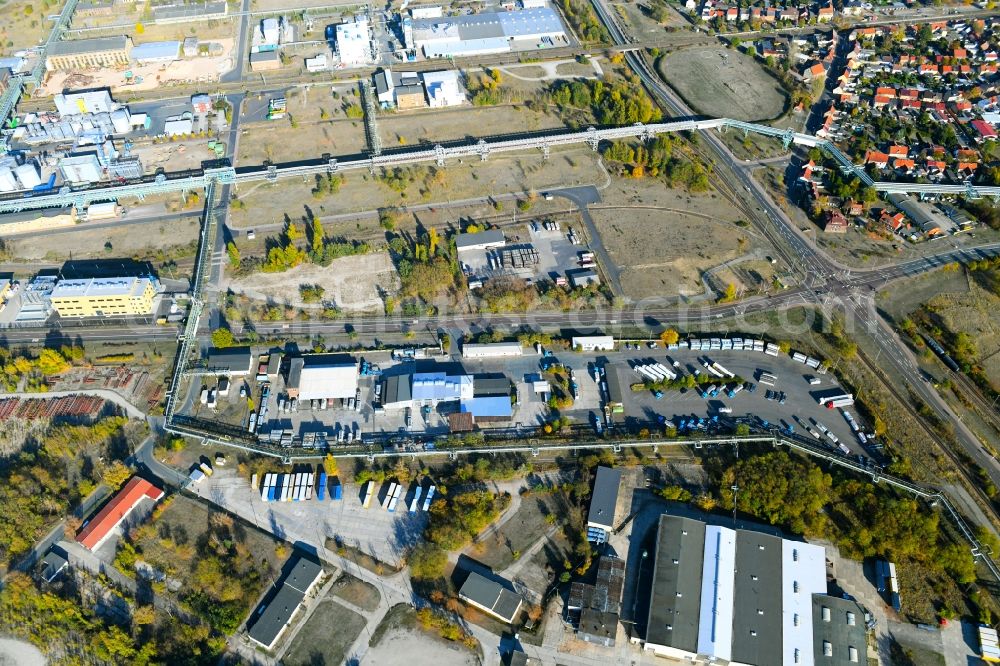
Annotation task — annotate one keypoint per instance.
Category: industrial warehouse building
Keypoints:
(98, 528)
(482, 240)
(722, 595)
(89, 53)
(269, 621)
(37, 220)
(354, 42)
(152, 53)
(488, 32)
(230, 360)
(491, 597)
(317, 376)
(104, 297)
(603, 502)
(594, 343)
(596, 607)
(492, 350)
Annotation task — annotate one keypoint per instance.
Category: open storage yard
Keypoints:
(723, 83)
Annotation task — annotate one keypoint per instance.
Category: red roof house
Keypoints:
(115, 511)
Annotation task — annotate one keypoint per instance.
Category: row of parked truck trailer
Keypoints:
(299, 487)
(397, 491)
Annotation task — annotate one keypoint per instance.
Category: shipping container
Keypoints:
(369, 493)
(321, 488)
(429, 497)
(336, 491)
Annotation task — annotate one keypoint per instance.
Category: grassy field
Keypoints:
(24, 23)
(356, 591)
(433, 125)
(663, 239)
(500, 174)
(326, 637)
(126, 240)
(521, 531)
(721, 82)
(170, 546)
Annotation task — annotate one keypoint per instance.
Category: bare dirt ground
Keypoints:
(174, 155)
(500, 174)
(273, 5)
(278, 141)
(435, 125)
(24, 23)
(675, 31)
(722, 82)
(326, 636)
(351, 283)
(202, 69)
(126, 240)
(664, 239)
(399, 646)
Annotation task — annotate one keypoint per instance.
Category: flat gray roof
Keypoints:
(605, 497)
(75, 46)
(750, 597)
(230, 359)
(295, 372)
(488, 237)
(675, 601)
(270, 619)
(397, 389)
(598, 626)
(837, 631)
(484, 385)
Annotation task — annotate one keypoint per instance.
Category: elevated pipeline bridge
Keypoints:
(440, 154)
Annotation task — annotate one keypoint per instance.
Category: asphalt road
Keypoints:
(818, 267)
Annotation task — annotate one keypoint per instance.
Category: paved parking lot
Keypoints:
(800, 410)
(383, 535)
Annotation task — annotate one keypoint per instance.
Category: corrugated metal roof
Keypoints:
(605, 497)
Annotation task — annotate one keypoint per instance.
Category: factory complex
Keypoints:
(531, 28)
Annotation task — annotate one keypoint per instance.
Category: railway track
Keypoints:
(971, 483)
(986, 411)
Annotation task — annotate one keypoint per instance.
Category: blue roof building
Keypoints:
(489, 408)
(153, 52)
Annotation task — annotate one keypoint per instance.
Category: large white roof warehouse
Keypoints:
(317, 376)
(741, 596)
(489, 32)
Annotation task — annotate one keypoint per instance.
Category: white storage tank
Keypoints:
(29, 175)
(120, 121)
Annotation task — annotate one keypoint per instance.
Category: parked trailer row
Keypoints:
(767, 379)
(721, 344)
